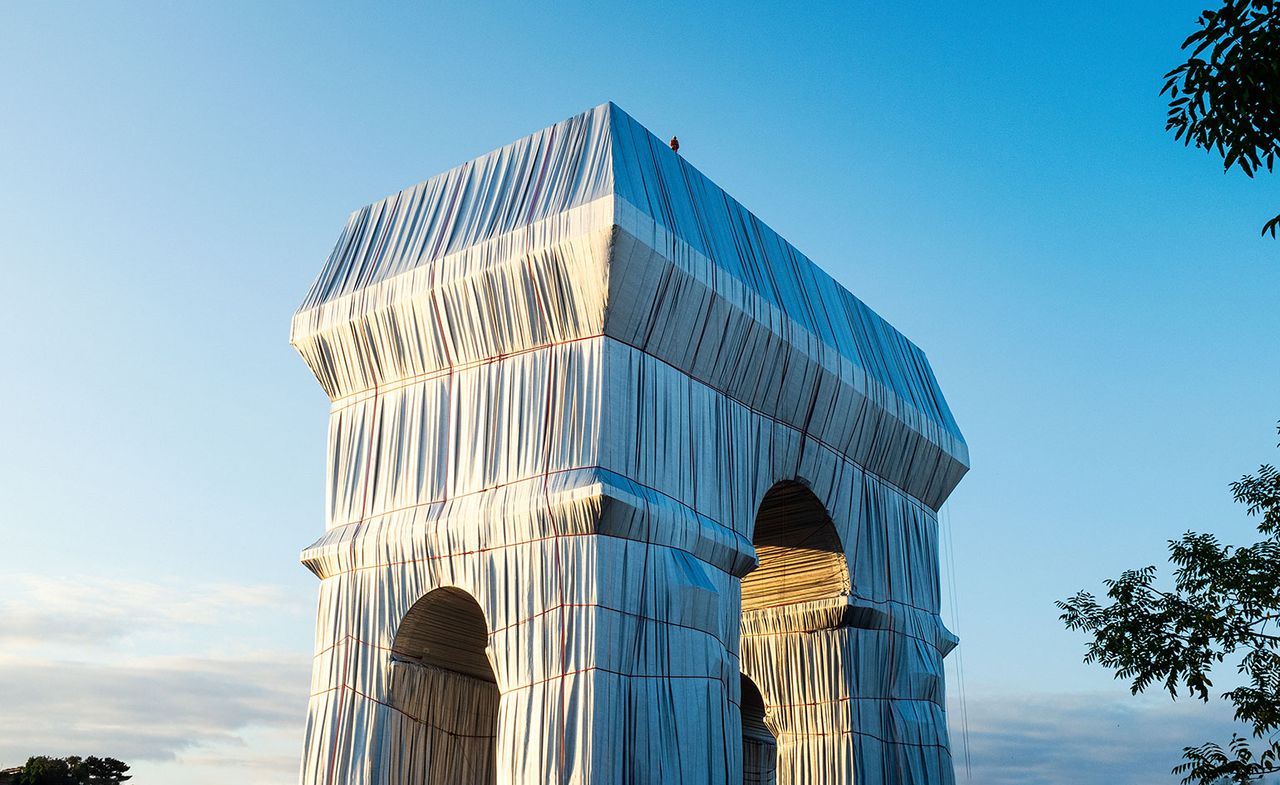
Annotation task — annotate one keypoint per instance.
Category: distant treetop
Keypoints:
(73, 770)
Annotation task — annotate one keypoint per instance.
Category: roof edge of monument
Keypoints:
(603, 152)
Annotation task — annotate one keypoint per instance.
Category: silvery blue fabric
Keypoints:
(566, 379)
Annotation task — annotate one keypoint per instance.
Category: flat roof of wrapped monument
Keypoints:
(604, 153)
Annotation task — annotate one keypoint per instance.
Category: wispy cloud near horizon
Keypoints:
(179, 680)
(1082, 738)
(147, 709)
(41, 611)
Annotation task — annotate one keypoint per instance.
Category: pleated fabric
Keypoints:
(565, 378)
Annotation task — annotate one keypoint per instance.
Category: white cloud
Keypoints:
(145, 710)
(188, 683)
(43, 611)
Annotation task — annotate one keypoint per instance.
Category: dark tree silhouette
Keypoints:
(1226, 96)
(1224, 604)
(42, 770)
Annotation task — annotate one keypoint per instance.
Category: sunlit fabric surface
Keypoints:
(566, 378)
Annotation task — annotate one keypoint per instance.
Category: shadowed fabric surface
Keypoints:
(759, 748)
(601, 445)
(445, 725)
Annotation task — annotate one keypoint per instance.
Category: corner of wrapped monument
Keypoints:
(621, 487)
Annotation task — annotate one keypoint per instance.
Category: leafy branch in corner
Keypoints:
(1225, 602)
(1226, 96)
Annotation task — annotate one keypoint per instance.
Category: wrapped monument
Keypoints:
(621, 488)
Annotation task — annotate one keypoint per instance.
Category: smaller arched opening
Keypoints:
(759, 748)
(801, 558)
(444, 690)
(446, 629)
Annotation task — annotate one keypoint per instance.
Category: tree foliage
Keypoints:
(1224, 604)
(1226, 96)
(41, 770)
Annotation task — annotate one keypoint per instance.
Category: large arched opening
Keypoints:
(801, 558)
(444, 693)
(802, 575)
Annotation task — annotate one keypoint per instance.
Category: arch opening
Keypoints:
(801, 558)
(445, 694)
(759, 747)
(446, 629)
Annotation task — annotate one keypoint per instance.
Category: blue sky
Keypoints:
(994, 180)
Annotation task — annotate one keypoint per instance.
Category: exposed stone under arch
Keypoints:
(444, 693)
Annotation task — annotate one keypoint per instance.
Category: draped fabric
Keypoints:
(565, 378)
